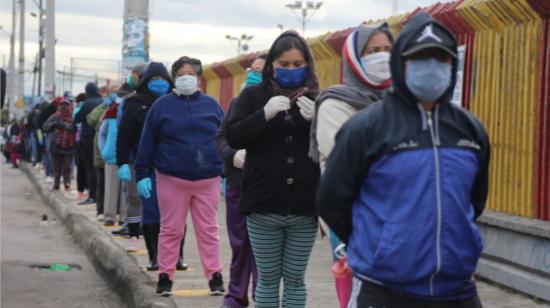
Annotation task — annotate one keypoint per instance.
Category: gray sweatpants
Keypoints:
(113, 194)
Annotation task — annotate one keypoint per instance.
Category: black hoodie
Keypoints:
(93, 99)
(135, 111)
(398, 176)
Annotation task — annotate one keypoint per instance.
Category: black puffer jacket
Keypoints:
(136, 108)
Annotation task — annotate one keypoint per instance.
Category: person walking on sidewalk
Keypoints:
(366, 61)
(178, 142)
(87, 133)
(60, 129)
(155, 82)
(271, 121)
(243, 265)
(406, 180)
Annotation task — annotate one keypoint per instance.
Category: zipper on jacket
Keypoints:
(194, 138)
(438, 199)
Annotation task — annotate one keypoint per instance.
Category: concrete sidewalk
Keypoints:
(191, 287)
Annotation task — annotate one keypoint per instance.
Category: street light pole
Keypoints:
(50, 49)
(21, 64)
(240, 45)
(304, 7)
(11, 84)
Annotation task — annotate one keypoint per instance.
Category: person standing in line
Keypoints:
(366, 61)
(155, 82)
(406, 180)
(81, 184)
(271, 121)
(60, 128)
(178, 144)
(87, 134)
(243, 266)
(47, 109)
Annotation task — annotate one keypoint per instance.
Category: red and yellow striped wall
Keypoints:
(506, 85)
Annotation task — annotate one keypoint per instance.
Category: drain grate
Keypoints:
(55, 267)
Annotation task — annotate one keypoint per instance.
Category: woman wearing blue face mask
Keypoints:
(178, 147)
(366, 61)
(271, 121)
(155, 83)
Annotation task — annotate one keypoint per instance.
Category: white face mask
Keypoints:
(377, 66)
(186, 85)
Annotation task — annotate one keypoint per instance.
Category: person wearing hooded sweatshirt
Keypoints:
(407, 179)
(155, 82)
(366, 61)
(271, 121)
(243, 266)
(87, 134)
(81, 183)
(178, 143)
(61, 143)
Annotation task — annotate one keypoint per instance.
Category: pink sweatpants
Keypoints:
(176, 198)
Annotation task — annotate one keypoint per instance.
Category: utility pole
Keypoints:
(72, 75)
(135, 33)
(21, 64)
(304, 7)
(394, 7)
(11, 84)
(50, 49)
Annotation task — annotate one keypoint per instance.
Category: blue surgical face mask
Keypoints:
(253, 78)
(428, 79)
(290, 77)
(158, 86)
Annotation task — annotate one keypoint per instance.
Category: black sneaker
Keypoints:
(164, 286)
(123, 231)
(216, 284)
(180, 266)
(87, 201)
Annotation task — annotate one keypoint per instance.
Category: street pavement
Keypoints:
(26, 242)
(190, 287)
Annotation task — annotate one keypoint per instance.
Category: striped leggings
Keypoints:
(282, 246)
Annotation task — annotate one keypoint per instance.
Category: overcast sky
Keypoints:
(93, 29)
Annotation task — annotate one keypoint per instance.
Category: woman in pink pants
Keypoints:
(178, 143)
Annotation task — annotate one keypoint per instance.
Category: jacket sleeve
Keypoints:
(51, 123)
(147, 145)
(108, 151)
(480, 189)
(345, 171)
(226, 152)
(80, 116)
(95, 115)
(102, 134)
(125, 135)
(246, 123)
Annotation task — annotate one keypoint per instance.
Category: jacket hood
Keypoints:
(91, 90)
(397, 62)
(154, 69)
(353, 71)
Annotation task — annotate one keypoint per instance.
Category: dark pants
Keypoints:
(375, 296)
(81, 184)
(243, 265)
(100, 189)
(87, 146)
(62, 165)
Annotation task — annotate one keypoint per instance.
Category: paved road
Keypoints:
(25, 242)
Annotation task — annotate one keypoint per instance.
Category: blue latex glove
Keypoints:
(144, 188)
(124, 173)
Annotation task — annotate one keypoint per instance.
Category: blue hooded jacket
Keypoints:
(178, 138)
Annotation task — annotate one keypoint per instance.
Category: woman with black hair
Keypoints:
(272, 122)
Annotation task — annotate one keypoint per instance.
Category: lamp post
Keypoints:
(304, 7)
(41, 16)
(241, 42)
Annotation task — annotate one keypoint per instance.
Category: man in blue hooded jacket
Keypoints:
(406, 180)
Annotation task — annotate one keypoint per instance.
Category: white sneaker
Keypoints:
(100, 217)
(49, 179)
(133, 245)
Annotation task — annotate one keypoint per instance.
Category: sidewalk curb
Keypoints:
(119, 269)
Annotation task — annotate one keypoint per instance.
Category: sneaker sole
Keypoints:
(165, 293)
(216, 293)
